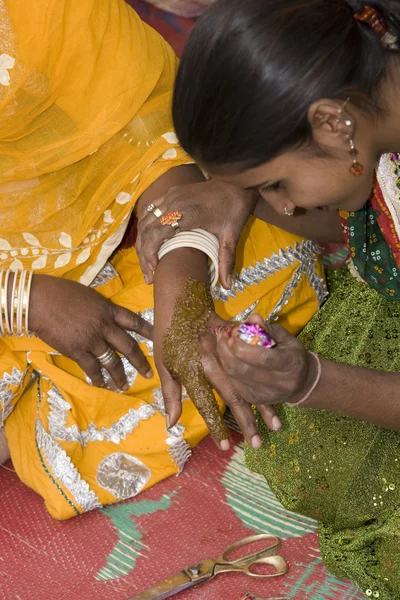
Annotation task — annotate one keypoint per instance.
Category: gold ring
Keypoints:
(106, 357)
(156, 211)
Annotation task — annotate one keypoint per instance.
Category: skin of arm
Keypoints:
(287, 372)
(363, 394)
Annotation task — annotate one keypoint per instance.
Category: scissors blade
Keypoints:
(176, 583)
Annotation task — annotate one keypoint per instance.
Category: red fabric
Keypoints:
(117, 552)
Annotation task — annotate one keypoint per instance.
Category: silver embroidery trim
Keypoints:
(107, 273)
(118, 431)
(178, 448)
(147, 315)
(242, 316)
(15, 379)
(123, 475)
(388, 183)
(318, 284)
(304, 252)
(64, 470)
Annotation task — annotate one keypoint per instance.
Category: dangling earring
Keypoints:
(356, 168)
(288, 213)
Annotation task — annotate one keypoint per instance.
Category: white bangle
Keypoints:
(198, 239)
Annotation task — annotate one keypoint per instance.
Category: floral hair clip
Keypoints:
(371, 17)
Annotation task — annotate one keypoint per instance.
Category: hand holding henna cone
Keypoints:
(250, 333)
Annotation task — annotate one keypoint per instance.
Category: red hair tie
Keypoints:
(371, 17)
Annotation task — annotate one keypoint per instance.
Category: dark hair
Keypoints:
(252, 68)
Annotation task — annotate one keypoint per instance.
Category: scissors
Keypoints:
(209, 568)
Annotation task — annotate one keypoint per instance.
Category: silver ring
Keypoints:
(176, 228)
(156, 211)
(107, 357)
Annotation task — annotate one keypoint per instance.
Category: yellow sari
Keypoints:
(85, 128)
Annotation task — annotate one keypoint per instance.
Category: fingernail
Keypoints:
(225, 445)
(168, 420)
(125, 387)
(276, 423)
(146, 278)
(229, 281)
(256, 441)
(149, 374)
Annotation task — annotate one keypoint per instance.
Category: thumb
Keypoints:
(280, 334)
(226, 259)
(172, 394)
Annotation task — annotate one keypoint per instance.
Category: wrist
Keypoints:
(311, 381)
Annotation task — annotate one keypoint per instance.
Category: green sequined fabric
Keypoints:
(343, 472)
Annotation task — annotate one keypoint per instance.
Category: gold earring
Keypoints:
(356, 168)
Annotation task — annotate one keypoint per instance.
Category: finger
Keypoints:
(256, 318)
(132, 322)
(91, 367)
(231, 395)
(127, 345)
(237, 356)
(115, 369)
(227, 259)
(152, 242)
(172, 394)
(243, 414)
(244, 366)
(269, 416)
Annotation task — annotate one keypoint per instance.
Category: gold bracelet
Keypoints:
(20, 313)
(27, 301)
(5, 303)
(1, 303)
(14, 301)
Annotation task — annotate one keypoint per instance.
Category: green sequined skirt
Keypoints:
(342, 472)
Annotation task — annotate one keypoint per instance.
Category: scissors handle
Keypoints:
(271, 548)
(276, 561)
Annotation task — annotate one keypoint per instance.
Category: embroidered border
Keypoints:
(304, 253)
(108, 273)
(7, 395)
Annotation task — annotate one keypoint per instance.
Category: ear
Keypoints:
(331, 122)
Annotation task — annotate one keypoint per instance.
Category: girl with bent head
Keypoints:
(299, 100)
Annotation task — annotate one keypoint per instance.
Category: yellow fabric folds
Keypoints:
(83, 117)
(85, 128)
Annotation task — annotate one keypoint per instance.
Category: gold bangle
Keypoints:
(14, 301)
(4, 303)
(1, 302)
(24, 304)
(21, 287)
(28, 298)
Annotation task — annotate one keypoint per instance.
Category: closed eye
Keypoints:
(273, 187)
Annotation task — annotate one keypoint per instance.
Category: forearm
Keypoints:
(171, 275)
(363, 394)
(319, 225)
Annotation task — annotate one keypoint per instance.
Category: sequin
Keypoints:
(335, 469)
(123, 475)
(304, 253)
(64, 471)
(107, 273)
(10, 387)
